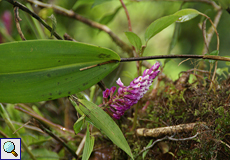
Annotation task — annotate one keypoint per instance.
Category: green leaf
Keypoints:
(41, 154)
(88, 148)
(186, 14)
(97, 2)
(145, 152)
(227, 62)
(104, 123)
(213, 53)
(158, 25)
(79, 124)
(80, 3)
(32, 71)
(108, 18)
(134, 40)
(161, 23)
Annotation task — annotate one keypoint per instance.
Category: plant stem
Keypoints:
(127, 15)
(220, 58)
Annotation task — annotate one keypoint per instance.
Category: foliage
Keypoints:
(43, 73)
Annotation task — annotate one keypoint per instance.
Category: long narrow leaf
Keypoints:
(104, 123)
(33, 71)
(88, 148)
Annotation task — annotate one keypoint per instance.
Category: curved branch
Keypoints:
(89, 22)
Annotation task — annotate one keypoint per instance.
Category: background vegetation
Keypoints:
(180, 95)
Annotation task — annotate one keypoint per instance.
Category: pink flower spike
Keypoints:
(130, 95)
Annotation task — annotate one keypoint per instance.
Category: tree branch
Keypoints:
(170, 130)
(89, 22)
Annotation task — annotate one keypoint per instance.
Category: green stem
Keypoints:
(6, 117)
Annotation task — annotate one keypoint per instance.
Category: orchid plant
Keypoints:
(129, 95)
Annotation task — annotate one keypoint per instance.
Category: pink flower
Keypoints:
(129, 95)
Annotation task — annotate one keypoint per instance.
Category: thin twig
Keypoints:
(26, 126)
(44, 120)
(67, 37)
(22, 126)
(47, 131)
(89, 22)
(17, 19)
(224, 143)
(3, 134)
(24, 8)
(127, 15)
(168, 138)
(81, 146)
(197, 70)
(160, 57)
(220, 58)
(206, 47)
(216, 21)
(211, 31)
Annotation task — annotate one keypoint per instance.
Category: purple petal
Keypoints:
(112, 90)
(135, 85)
(145, 72)
(120, 83)
(137, 80)
(155, 66)
(119, 108)
(146, 77)
(131, 96)
(116, 116)
(133, 91)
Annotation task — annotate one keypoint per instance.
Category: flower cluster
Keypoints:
(129, 95)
